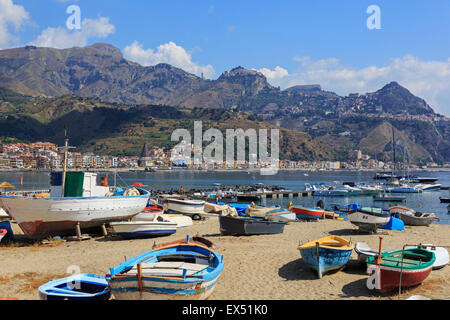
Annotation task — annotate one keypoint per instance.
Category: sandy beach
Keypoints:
(256, 267)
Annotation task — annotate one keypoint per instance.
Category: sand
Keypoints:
(256, 267)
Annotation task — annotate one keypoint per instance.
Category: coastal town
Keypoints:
(48, 156)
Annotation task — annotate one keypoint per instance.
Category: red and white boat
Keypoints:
(402, 268)
(307, 213)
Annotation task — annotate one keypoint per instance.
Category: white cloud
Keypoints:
(277, 73)
(11, 15)
(429, 80)
(62, 38)
(167, 53)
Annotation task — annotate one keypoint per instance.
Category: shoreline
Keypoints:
(15, 170)
(262, 267)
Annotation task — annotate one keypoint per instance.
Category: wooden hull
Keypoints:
(412, 220)
(307, 213)
(246, 226)
(326, 254)
(368, 221)
(188, 207)
(403, 268)
(90, 287)
(389, 278)
(56, 216)
(181, 270)
(137, 229)
(282, 216)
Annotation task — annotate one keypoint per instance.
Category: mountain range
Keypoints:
(100, 73)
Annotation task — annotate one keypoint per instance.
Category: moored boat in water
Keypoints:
(326, 254)
(179, 270)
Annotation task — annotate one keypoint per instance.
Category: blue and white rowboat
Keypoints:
(326, 254)
(84, 286)
(186, 269)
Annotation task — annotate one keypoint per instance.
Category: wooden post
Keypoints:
(78, 231)
(139, 275)
(379, 260)
(317, 252)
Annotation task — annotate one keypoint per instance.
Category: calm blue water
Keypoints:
(164, 180)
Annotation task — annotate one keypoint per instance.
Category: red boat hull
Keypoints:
(307, 213)
(390, 278)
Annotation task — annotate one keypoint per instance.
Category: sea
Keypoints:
(291, 180)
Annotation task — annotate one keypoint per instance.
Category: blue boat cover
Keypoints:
(240, 208)
(394, 224)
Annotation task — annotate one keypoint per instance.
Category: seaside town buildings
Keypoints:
(46, 155)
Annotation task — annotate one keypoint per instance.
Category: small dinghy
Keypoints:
(412, 218)
(144, 229)
(326, 254)
(441, 254)
(402, 268)
(306, 213)
(364, 251)
(249, 226)
(84, 286)
(369, 219)
(187, 269)
(282, 216)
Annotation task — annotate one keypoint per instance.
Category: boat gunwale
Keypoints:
(341, 242)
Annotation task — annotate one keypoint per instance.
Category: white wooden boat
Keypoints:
(193, 208)
(282, 216)
(143, 229)
(441, 254)
(81, 202)
(3, 214)
(369, 219)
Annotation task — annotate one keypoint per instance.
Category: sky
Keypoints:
(345, 46)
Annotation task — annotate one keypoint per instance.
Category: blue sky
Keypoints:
(291, 42)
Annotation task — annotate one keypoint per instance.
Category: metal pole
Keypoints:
(66, 146)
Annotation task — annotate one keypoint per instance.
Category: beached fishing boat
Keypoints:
(326, 254)
(84, 286)
(364, 251)
(327, 214)
(402, 268)
(3, 214)
(249, 226)
(149, 213)
(77, 201)
(389, 198)
(369, 219)
(281, 216)
(306, 213)
(187, 269)
(440, 253)
(143, 229)
(190, 207)
(259, 211)
(412, 218)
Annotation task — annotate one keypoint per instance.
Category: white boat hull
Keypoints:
(46, 216)
(189, 207)
(441, 254)
(282, 217)
(367, 221)
(143, 228)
